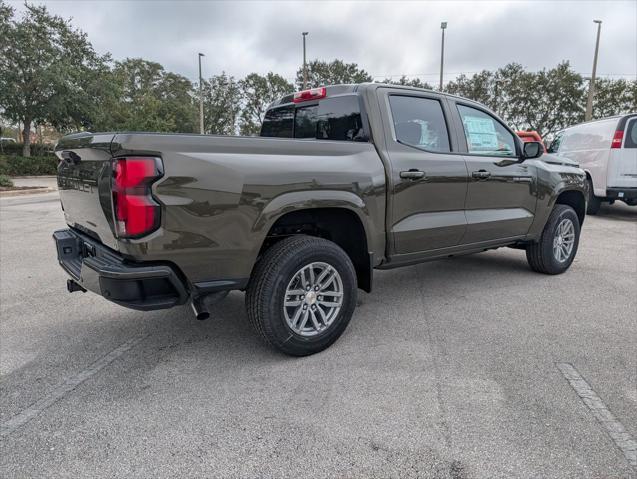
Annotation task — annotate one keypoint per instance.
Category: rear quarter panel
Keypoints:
(221, 195)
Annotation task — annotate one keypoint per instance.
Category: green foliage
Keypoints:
(336, 72)
(13, 149)
(139, 95)
(613, 97)
(48, 70)
(258, 92)
(5, 181)
(222, 105)
(413, 82)
(544, 101)
(22, 166)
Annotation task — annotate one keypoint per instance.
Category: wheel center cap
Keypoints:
(310, 297)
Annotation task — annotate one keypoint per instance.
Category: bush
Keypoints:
(21, 166)
(15, 149)
(5, 181)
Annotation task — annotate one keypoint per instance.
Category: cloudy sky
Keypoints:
(385, 38)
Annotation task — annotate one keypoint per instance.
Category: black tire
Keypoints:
(540, 255)
(266, 293)
(594, 202)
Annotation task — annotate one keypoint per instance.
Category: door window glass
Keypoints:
(419, 122)
(485, 135)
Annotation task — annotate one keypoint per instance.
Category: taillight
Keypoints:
(312, 94)
(136, 212)
(618, 137)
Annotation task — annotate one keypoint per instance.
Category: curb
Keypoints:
(31, 191)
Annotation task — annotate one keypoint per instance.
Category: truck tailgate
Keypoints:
(84, 181)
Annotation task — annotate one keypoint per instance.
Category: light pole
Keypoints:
(591, 87)
(443, 26)
(200, 96)
(304, 62)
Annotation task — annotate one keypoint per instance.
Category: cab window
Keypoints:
(485, 135)
(338, 118)
(419, 122)
(278, 122)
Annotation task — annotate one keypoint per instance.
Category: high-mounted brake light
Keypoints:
(312, 94)
(618, 137)
(136, 212)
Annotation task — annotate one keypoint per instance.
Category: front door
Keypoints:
(501, 196)
(428, 178)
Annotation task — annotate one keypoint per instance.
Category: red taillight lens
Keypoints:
(136, 212)
(312, 94)
(618, 137)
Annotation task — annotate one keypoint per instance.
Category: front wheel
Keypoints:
(556, 249)
(302, 295)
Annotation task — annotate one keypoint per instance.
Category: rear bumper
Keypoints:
(103, 271)
(619, 193)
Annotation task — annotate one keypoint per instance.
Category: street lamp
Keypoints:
(200, 96)
(443, 26)
(304, 62)
(591, 87)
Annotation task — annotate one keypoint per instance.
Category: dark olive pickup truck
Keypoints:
(343, 180)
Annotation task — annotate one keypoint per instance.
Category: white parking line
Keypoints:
(613, 427)
(66, 387)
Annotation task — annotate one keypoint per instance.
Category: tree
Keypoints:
(139, 95)
(258, 92)
(46, 69)
(320, 73)
(222, 105)
(403, 80)
(613, 97)
(544, 101)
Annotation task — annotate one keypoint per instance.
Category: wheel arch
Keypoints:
(338, 216)
(575, 199)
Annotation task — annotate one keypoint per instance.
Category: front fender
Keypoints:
(551, 184)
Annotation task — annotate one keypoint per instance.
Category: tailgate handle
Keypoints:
(71, 157)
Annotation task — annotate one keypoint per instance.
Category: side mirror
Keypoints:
(532, 149)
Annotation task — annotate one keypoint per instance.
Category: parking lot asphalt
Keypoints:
(448, 369)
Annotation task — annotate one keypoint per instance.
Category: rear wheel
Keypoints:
(302, 295)
(594, 202)
(557, 247)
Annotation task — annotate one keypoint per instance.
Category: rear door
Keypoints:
(428, 177)
(84, 183)
(622, 164)
(501, 196)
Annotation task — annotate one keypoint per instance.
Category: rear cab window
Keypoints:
(333, 118)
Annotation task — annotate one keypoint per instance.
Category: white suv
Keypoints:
(607, 151)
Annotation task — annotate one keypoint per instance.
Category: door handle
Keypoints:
(412, 174)
(481, 175)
